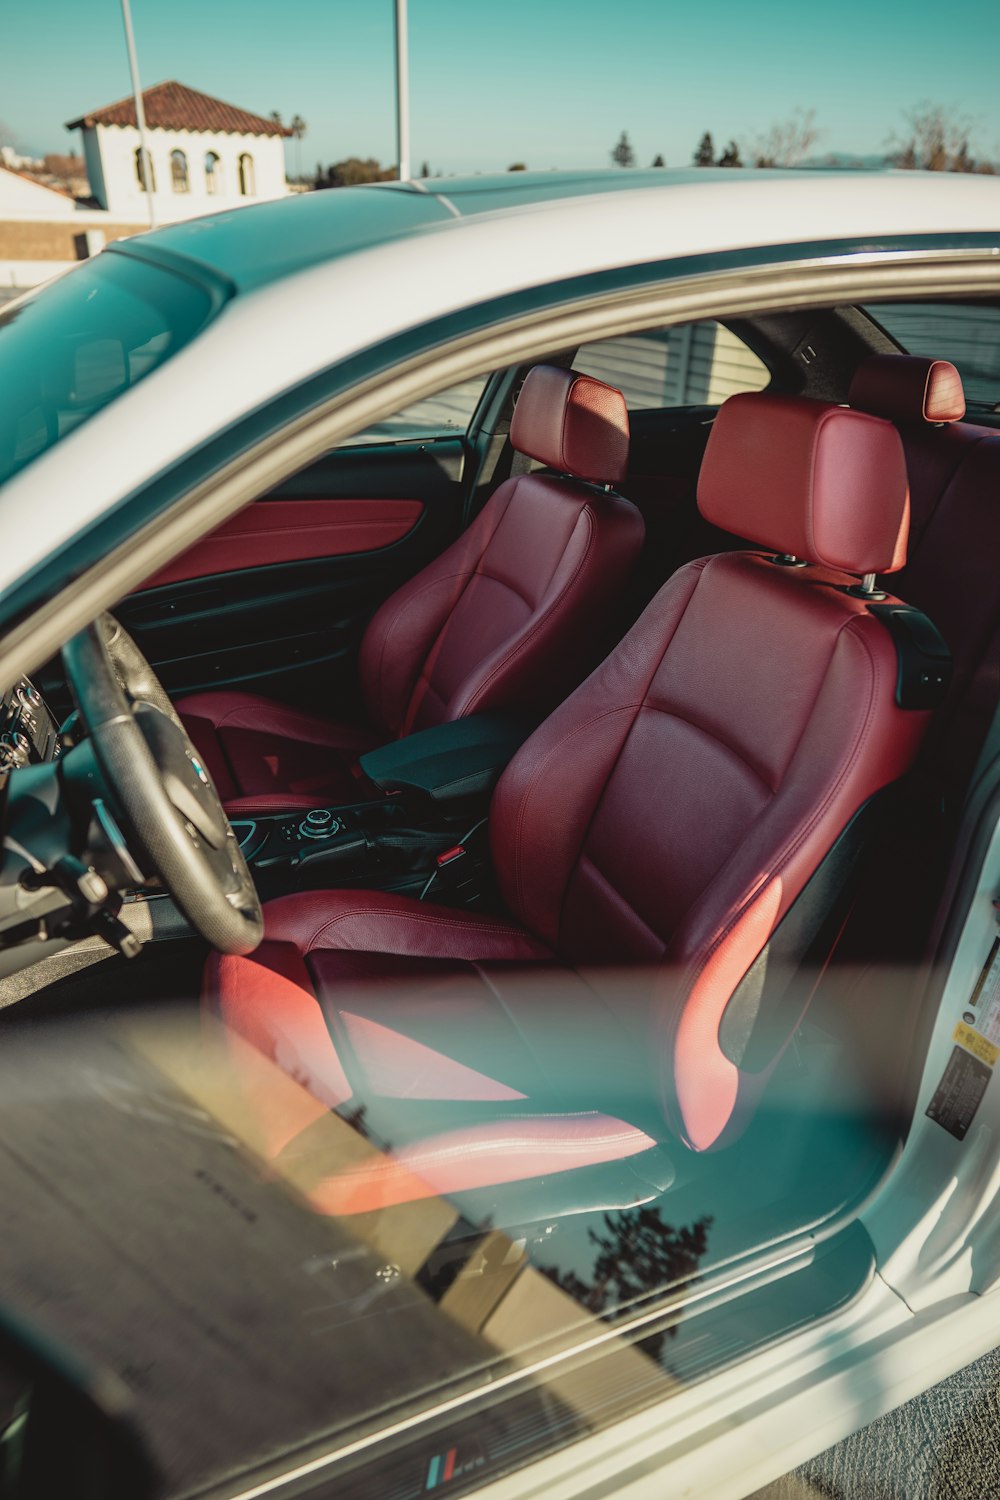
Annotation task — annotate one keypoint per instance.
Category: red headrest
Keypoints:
(572, 423)
(808, 478)
(906, 388)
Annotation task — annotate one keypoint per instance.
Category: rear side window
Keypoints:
(699, 364)
(966, 334)
(83, 341)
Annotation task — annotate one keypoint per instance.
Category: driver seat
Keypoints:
(511, 616)
(649, 840)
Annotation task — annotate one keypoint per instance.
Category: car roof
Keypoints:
(258, 244)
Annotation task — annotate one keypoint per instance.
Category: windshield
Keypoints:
(72, 349)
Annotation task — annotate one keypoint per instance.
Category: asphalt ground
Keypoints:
(943, 1445)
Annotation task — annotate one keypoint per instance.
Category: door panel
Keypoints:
(277, 599)
(279, 531)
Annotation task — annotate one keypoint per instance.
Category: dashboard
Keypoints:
(29, 735)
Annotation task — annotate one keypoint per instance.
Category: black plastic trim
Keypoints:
(923, 660)
(450, 762)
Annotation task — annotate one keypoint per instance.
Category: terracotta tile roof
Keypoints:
(173, 106)
(47, 187)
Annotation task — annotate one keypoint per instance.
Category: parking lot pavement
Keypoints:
(943, 1445)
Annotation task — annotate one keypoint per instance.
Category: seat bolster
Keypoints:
(477, 1156)
(858, 733)
(380, 922)
(264, 756)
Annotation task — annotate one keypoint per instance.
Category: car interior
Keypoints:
(596, 737)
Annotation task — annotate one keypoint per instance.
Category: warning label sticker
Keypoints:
(960, 1092)
(967, 1036)
(985, 998)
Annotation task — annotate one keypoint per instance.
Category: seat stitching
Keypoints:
(519, 647)
(426, 588)
(411, 916)
(506, 584)
(697, 568)
(673, 713)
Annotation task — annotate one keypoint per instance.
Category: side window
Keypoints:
(699, 364)
(964, 333)
(179, 171)
(445, 415)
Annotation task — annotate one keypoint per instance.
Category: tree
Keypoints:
(298, 129)
(637, 1254)
(425, 170)
(353, 171)
(731, 156)
(658, 160)
(786, 144)
(517, 166)
(936, 140)
(623, 154)
(705, 154)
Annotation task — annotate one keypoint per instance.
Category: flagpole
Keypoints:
(402, 93)
(145, 161)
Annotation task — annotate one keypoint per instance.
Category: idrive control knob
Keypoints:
(319, 824)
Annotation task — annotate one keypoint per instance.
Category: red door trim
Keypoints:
(277, 531)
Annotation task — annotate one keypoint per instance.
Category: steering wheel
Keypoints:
(154, 773)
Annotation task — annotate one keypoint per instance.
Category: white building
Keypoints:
(204, 154)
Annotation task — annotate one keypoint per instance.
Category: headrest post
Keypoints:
(866, 589)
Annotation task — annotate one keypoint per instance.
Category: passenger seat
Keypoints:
(511, 617)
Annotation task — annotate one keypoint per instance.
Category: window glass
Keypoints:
(248, 181)
(179, 171)
(699, 364)
(966, 334)
(444, 415)
(81, 342)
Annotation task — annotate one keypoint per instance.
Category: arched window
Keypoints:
(147, 179)
(213, 173)
(179, 171)
(248, 186)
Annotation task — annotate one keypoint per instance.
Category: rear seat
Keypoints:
(953, 567)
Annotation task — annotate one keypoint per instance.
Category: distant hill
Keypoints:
(844, 160)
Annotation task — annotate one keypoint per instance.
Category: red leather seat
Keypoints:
(648, 839)
(510, 616)
(951, 571)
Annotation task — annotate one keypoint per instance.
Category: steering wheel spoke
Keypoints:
(165, 794)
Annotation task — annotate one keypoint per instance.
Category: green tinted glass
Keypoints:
(70, 350)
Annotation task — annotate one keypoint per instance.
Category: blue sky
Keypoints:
(548, 82)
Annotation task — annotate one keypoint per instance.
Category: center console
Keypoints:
(422, 833)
